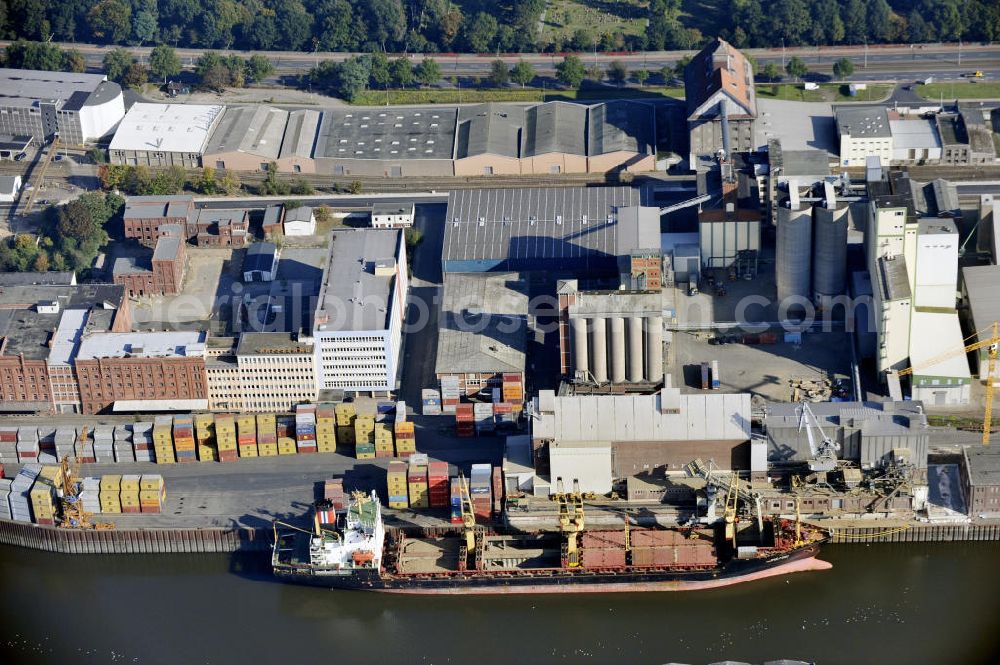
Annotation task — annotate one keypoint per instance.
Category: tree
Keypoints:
(229, 183)
(843, 68)
(355, 187)
(499, 74)
(135, 76)
(73, 61)
(144, 28)
(480, 32)
(216, 78)
(381, 70)
(110, 20)
(116, 63)
(855, 21)
(641, 75)
(34, 55)
(879, 20)
(570, 71)
(164, 63)
(771, 72)
(796, 68)
(294, 24)
(207, 184)
(302, 187)
(259, 68)
(522, 73)
(75, 221)
(681, 65)
(617, 72)
(428, 72)
(402, 71)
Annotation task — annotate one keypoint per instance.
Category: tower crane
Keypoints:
(824, 454)
(993, 344)
(74, 516)
(570, 519)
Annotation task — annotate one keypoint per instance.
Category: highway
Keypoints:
(884, 62)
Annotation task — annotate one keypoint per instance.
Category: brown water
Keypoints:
(913, 604)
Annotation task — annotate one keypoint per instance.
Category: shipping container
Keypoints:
(716, 379)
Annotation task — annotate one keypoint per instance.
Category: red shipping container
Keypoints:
(437, 469)
(44, 521)
(1, 471)
(382, 453)
(131, 509)
(511, 377)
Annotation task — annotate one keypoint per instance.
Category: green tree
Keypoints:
(355, 187)
(258, 68)
(381, 69)
(75, 221)
(164, 63)
(110, 20)
(796, 68)
(879, 20)
(641, 75)
(229, 183)
(428, 72)
(144, 28)
(843, 68)
(617, 72)
(294, 24)
(116, 63)
(771, 72)
(402, 71)
(522, 73)
(480, 32)
(570, 71)
(302, 187)
(681, 65)
(206, 184)
(135, 76)
(35, 55)
(855, 21)
(499, 74)
(790, 21)
(169, 181)
(216, 78)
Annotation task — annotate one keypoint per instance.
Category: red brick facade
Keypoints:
(103, 381)
(24, 380)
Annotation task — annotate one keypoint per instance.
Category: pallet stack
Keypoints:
(326, 428)
(27, 445)
(437, 484)
(204, 434)
(111, 489)
(104, 444)
(225, 437)
(152, 492)
(396, 481)
(130, 493)
(246, 431)
(124, 452)
(20, 492)
(163, 444)
(8, 445)
(416, 480)
(267, 435)
(43, 494)
(364, 437)
(90, 494)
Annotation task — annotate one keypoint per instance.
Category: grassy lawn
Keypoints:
(602, 93)
(960, 90)
(616, 17)
(827, 92)
(470, 96)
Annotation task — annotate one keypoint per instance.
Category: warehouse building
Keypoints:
(300, 221)
(359, 316)
(869, 433)
(220, 228)
(864, 132)
(10, 188)
(261, 262)
(161, 135)
(78, 107)
(482, 330)
(964, 139)
(576, 229)
(299, 142)
(621, 135)
(152, 371)
(601, 438)
(982, 297)
(721, 103)
(980, 470)
(938, 382)
(12, 146)
(915, 141)
(246, 138)
(144, 215)
(160, 273)
(393, 215)
(731, 231)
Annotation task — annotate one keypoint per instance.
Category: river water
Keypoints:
(918, 603)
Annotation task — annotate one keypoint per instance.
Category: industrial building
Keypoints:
(731, 232)
(144, 215)
(261, 262)
(868, 433)
(864, 132)
(220, 228)
(942, 382)
(915, 141)
(10, 188)
(482, 330)
(39, 104)
(300, 221)
(359, 314)
(161, 135)
(612, 337)
(12, 146)
(600, 438)
(964, 139)
(246, 138)
(721, 103)
(260, 372)
(392, 215)
(982, 299)
(573, 229)
(160, 273)
(39, 326)
(980, 471)
(142, 371)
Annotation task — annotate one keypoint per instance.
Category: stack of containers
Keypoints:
(142, 442)
(43, 494)
(333, 491)
(225, 437)
(430, 401)
(285, 428)
(456, 501)
(8, 445)
(480, 491)
(450, 396)
(504, 414)
(246, 430)
(384, 411)
(63, 441)
(483, 414)
(438, 489)
(123, 444)
(111, 488)
(129, 494)
(396, 480)
(184, 443)
(345, 414)
(364, 436)
(406, 441)
(163, 444)
(416, 480)
(204, 436)
(512, 390)
(20, 493)
(84, 447)
(497, 491)
(90, 494)
(326, 428)
(267, 435)
(383, 440)
(152, 492)
(104, 444)
(464, 420)
(5, 484)
(305, 431)
(47, 445)
(27, 445)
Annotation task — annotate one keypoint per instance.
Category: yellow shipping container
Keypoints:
(399, 505)
(207, 454)
(326, 447)
(346, 436)
(267, 450)
(130, 499)
(248, 451)
(151, 481)
(286, 446)
(404, 428)
(361, 455)
(50, 475)
(110, 502)
(130, 482)
(112, 481)
(150, 498)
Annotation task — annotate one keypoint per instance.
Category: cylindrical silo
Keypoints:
(580, 357)
(654, 349)
(617, 349)
(793, 253)
(635, 357)
(829, 252)
(598, 349)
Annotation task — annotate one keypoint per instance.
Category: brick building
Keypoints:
(980, 471)
(144, 215)
(161, 273)
(156, 371)
(220, 228)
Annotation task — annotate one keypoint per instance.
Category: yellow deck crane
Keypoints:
(570, 519)
(74, 516)
(993, 344)
(468, 515)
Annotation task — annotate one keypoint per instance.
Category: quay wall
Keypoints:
(915, 533)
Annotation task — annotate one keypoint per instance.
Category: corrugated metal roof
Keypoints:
(938, 331)
(489, 129)
(982, 284)
(555, 127)
(387, 133)
(255, 130)
(620, 126)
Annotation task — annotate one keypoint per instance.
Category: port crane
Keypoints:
(824, 454)
(74, 516)
(993, 344)
(570, 519)
(734, 489)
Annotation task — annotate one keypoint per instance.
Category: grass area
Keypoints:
(827, 92)
(472, 96)
(622, 17)
(960, 90)
(961, 422)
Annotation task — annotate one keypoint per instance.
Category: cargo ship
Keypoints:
(352, 549)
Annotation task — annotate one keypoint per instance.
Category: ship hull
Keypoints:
(626, 580)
